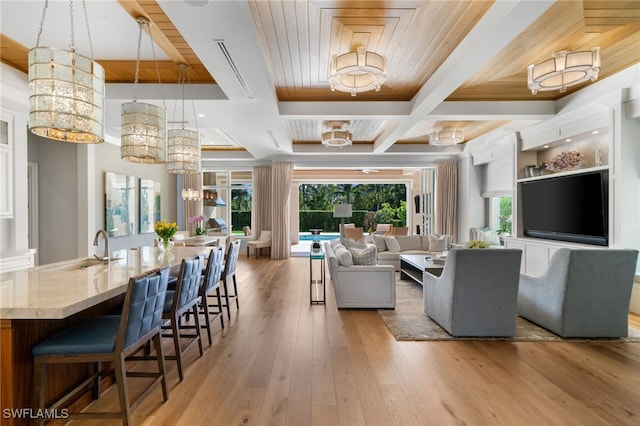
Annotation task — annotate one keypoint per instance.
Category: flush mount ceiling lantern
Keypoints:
(357, 71)
(564, 69)
(337, 136)
(446, 136)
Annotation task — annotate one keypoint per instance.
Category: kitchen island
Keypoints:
(38, 302)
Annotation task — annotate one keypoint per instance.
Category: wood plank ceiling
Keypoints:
(299, 39)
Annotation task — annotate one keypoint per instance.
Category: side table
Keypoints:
(316, 285)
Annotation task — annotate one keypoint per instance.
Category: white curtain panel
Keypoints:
(261, 203)
(192, 207)
(446, 198)
(282, 172)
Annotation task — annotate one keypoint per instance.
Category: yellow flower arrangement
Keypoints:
(165, 230)
(476, 244)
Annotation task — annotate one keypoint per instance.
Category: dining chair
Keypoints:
(177, 303)
(109, 340)
(229, 276)
(261, 243)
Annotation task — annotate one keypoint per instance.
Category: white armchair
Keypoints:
(261, 243)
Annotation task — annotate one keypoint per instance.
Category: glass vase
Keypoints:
(165, 244)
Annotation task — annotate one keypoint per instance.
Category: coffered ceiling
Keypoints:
(259, 69)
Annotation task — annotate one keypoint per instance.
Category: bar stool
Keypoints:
(211, 282)
(180, 301)
(113, 339)
(229, 275)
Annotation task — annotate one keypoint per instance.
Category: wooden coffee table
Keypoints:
(412, 266)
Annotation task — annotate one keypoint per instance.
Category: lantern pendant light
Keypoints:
(66, 90)
(183, 144)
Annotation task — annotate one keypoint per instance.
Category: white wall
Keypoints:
(13, 101)
(108, 160)
(471, 206)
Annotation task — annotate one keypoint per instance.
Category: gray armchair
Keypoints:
(583, 293)
(476, 293)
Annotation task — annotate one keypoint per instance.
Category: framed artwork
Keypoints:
(150, 198)
(119, 204)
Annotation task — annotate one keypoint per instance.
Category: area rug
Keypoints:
(408, 322)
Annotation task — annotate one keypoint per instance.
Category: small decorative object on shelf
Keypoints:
(566, 160)
(598, 160)
(165, 231)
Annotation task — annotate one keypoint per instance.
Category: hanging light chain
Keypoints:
(86, 20)
(155, 61)
(141, 23)
(72, 46)
(44, 14)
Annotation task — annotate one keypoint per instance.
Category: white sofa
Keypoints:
(409, 244)
(361, 286)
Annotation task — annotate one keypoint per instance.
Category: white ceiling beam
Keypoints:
(344, 110)
(493, 110)
(500, 25)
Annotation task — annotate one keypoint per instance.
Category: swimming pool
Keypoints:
(323, 237)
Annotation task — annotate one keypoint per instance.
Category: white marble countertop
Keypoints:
(61, 289)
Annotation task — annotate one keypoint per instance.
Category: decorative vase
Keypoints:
(166, 244)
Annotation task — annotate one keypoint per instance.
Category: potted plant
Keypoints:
(198, 222)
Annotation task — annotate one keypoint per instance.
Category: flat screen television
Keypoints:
(572, 208)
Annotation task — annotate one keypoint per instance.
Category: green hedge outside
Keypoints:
(310, 219)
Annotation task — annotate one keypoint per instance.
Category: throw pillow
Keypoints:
(344, 256)
(351, 244)
(438, 242)
(380, 243)
(489, 236)
(409, 242)
(365, 256)
(392, 244)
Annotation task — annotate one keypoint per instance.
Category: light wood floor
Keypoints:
(284, 362)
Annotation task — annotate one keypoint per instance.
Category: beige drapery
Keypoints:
(282, 173)
(446, 198)
(191, 207)
(261, 201)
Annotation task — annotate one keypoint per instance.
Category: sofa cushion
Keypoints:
(343, 255)
(351, 243)
(424, 242)
(392, 243)
(409, 242)
(380, 243)
(438, 242)
(366, 256)
(488, 236)
(389, 255)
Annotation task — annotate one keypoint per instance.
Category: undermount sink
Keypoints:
(76, 264)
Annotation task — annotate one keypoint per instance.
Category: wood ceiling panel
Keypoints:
(601, 16)
(299, 39)
(563, 27)
(166, 35)
(14, 54)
